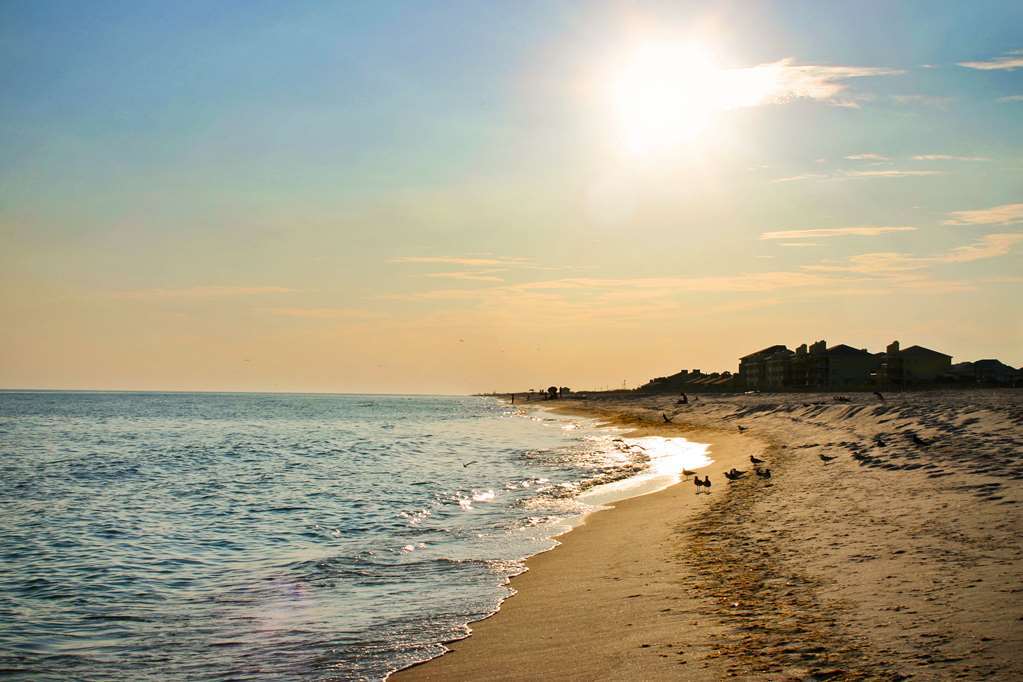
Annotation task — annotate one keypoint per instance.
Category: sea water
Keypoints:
(279, 536)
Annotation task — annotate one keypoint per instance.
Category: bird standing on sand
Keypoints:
(766, 473)
(755, 460)
(825, 458)
(687, 473)
(706, 483)
(740, 427)
(699, 484)
(666, 418)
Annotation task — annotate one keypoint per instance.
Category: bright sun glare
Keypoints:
(666, 95)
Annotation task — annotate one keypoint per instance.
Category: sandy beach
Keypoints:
(885, 546)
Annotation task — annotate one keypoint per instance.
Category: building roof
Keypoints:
(993, 365)
(770, 350)
(843, 349)
(920, 351)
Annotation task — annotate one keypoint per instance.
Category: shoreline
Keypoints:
(558, 594)
(885, 546)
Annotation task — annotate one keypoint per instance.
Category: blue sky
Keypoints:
(312, 185)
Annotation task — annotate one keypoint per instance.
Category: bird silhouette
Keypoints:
(706, 483)
(740, 427)
(687, 473)
(699, 484)
(825, 458)
(755, 460)
(734, 474)
(766, 473)
(918, 440)
(667, 419)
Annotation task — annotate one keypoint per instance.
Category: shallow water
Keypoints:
(247, 536)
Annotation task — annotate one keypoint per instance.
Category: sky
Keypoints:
(427, 197)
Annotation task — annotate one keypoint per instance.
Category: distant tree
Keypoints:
(552, 392)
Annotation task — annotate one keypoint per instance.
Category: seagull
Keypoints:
(706, 483)
(687, 473)
(755, 460)
(468, 463)
(734, 474)
(825, 458)
(766, 473)
(699, 484)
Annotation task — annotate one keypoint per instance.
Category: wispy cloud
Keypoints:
(472, 261)
(804, 176)
(325, 313)
(199, 292)
(818, 82)
(869, 156)
(892, 173)
(1010, 98)
(1006, 214)
(469, 275)
(798, 244)
(948, 157)
(824, 232)
(1010, 61)
(988, 246)
(846, 174)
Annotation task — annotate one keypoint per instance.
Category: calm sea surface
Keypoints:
(248, 536)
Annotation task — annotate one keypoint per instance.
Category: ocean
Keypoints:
(281, 536)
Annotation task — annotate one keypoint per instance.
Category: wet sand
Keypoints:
(899, 558)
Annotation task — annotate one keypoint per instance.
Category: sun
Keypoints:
(667, 95)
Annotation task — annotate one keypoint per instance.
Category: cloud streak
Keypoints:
(1010, 61)
(472, 261)
(1006, 214)
(869, 156)
(826, 232)
(892, 173)
(199, 292)
(948, 157)
(889, 262)
(822, 83)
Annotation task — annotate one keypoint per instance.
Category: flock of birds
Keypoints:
(732, 474)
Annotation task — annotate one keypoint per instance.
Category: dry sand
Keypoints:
(897, 559)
